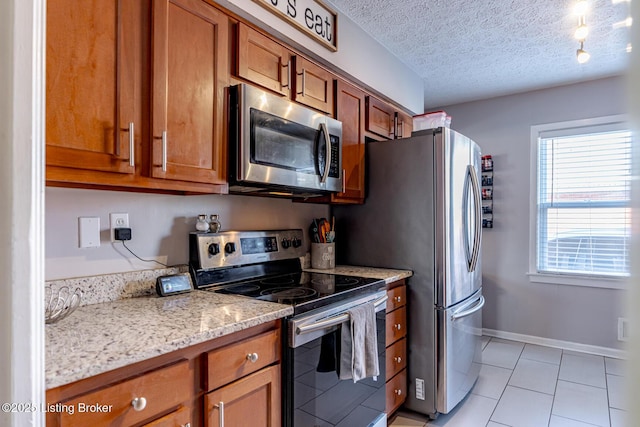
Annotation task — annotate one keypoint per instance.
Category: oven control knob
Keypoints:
(214, 249)
(296, 242)
(230, 248)
(286, 243)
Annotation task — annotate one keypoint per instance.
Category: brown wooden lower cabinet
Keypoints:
(251, 401)
(396, 392)
(396, 342)
(183, 388)
(178, 418)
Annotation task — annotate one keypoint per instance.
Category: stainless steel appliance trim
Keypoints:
(250, 174)
(336, 320)
(223, 259)
(329, 313)
(468, 312)
(327, 151)
(475, 186)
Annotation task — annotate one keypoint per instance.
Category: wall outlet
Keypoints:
(623, 329)
(118, 220)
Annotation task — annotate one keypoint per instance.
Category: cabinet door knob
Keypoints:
(252, 357)
(398, 392)
(139, 403)
(398, 326)
(398, 359)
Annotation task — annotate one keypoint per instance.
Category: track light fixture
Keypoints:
(582, 31)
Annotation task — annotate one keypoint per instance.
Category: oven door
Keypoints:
(314, 395)
(284, 144)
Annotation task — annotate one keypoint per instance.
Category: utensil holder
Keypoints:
(323, 255)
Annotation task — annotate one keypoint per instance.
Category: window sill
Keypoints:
(575, 280)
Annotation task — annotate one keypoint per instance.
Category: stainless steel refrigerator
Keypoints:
(423, 213)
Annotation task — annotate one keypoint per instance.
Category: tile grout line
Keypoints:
(507, 384)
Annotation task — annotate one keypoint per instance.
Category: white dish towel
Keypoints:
(359, 344)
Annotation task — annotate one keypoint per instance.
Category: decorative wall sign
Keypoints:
(311, 16)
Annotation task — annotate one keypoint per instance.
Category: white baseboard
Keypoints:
(565, 345)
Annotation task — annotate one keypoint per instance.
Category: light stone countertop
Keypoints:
(101, 337)
(387, 274)
(116, 330)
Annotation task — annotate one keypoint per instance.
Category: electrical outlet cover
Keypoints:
(118, 220)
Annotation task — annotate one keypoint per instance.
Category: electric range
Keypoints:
(265, 265)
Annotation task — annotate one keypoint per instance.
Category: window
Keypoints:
(582, 199)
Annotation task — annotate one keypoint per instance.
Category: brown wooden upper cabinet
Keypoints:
(350, 110)
(263, 61)
(271, 65)
(404, 125)
(384, 120)
(92, 114)
(190, 73)
(135, 95)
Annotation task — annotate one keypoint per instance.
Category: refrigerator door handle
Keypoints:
(474, 253)
(469, 312)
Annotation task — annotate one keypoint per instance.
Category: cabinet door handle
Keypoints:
(398, 326)
(164, 151)
(288, 66)
(398, 392)
(220, 407)
(397, 359)
(132, 151)
(252, 357)
(344, 180)
(303, 74)
(186, 425)
(139, 403)
(398, 299)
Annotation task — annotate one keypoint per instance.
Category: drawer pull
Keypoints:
(252, 357)
(139, 403)
(398, 392)
(398, 326)
(397, 359)
(398, 299)
(220, 407)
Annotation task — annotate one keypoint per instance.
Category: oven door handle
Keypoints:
(336, 320)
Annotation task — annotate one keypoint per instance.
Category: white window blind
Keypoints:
(583, 203)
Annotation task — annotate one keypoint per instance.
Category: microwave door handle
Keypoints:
(327, 140)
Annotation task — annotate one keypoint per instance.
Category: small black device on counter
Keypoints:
(173, 284)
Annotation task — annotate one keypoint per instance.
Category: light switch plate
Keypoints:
(88, 232)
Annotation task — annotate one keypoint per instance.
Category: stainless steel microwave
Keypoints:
(277, 147)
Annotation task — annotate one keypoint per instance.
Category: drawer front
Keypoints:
(161, 390)
(396, 357)
(179, 418)
(396, 325)
(396, 392)
(234, 361)
(397, 298)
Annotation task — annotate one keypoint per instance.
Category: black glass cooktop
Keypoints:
(305, 291)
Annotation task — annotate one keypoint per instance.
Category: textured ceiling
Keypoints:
(474, 49)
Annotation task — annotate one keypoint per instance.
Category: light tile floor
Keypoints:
(526, 385)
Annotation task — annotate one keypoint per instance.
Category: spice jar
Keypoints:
(202, 224)
(214, 224)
